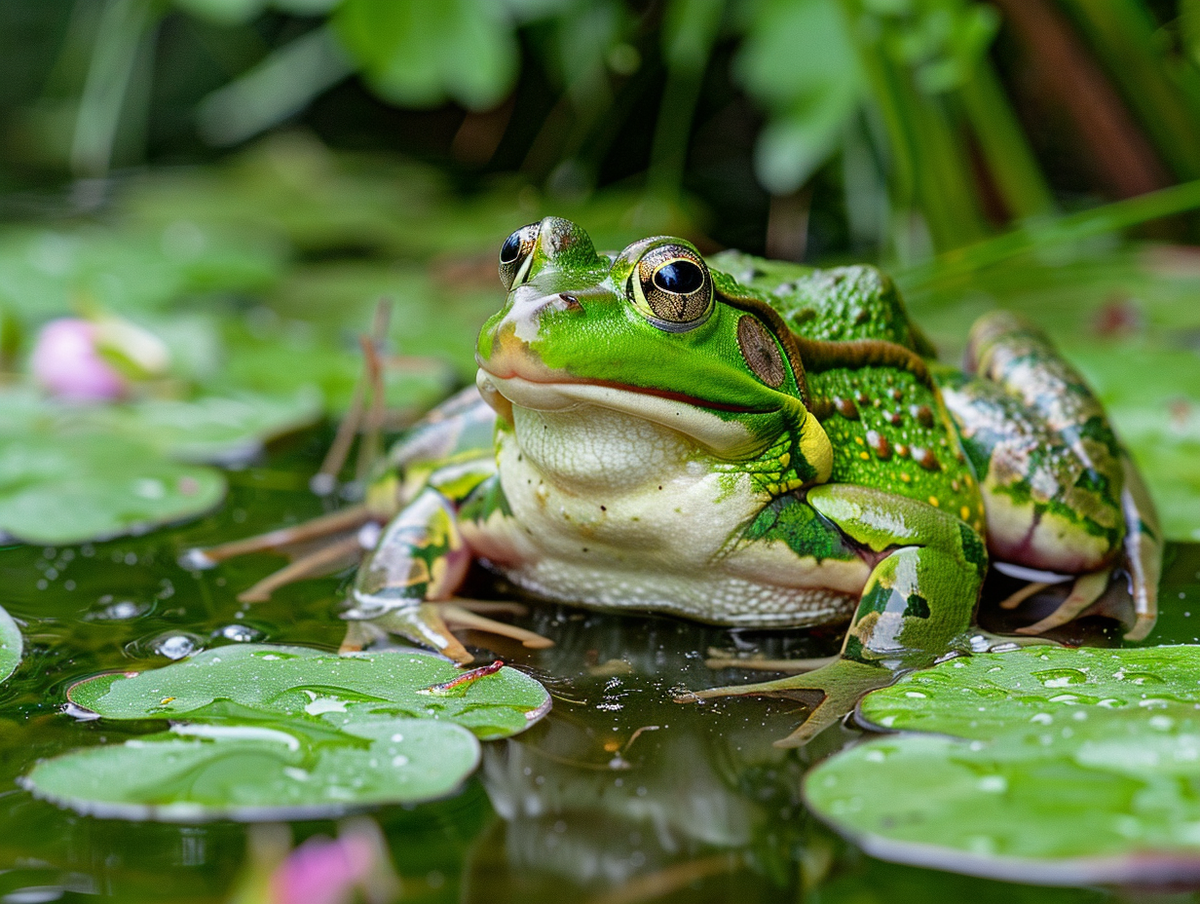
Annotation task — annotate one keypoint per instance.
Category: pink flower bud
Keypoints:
(323, 871)
(67, 363)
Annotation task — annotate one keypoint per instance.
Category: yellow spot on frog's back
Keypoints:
(904, 476)
(864, 456)
(964, 513)
(933, 500)
(859, 440)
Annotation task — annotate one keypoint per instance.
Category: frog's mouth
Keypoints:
(700, 421)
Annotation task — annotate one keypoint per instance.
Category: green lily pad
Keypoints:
(1050, 765)
(271, 732)
(44, 273)
(250, 772)
(297, 682)
(985, 695)
(69, 488)
(211, 428)
(10, 645)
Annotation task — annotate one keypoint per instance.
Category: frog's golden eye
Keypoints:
(516, 254)
(671, 285)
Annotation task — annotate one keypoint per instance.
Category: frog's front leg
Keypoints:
(420, 558)
(917, 603)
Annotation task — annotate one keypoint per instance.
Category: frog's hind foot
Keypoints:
(284, 539)
(1085, 591)
(837, 687)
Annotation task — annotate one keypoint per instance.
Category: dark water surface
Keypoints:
(620, 795)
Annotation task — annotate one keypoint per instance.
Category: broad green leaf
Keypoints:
(247, 771)
(277, 732)
(1113, 796)
(68, 487)
(415, 53)
(296, 682)
(1049, 765)
(798, 61)
(983, 695)
(223, 12)
(10, 645)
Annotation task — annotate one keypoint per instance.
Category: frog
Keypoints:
(755, 444)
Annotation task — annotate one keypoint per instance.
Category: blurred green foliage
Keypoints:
(904, 127)
(968, 145)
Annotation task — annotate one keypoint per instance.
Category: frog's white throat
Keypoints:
(624, 426)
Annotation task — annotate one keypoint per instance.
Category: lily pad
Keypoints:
(250, 772)
(212, 428)
(986, 695)
(296, 682)
(10, 645)
(282, 732)
(47, 272)
(1051, 766)
(69, 488)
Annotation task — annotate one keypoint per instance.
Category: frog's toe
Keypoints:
(835, 688)
(459, 613)
(1086, 590)
(422, 623)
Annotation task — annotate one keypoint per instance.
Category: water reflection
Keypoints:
(622, 788)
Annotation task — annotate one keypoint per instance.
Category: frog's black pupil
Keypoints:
(510, 249)
(679, 277)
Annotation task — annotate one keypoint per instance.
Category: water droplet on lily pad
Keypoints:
(176, 646)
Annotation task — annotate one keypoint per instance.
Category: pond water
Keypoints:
(619, 795)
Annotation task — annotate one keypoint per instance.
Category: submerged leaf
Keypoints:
(10, 645)
(1051, 765)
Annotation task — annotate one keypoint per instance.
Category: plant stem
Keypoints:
(1122, 34)
(123, 26)
(1008, 156)
(1110, 218)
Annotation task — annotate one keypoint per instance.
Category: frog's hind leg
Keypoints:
(1054, 477)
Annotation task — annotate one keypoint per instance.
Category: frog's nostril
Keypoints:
(572, 303)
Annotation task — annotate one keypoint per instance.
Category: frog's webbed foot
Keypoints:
(1085, 591)
(836, 688)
